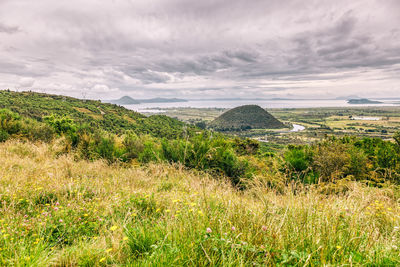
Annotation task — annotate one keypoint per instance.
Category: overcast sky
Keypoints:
(104, 49)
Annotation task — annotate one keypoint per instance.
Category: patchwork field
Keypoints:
(319, 122)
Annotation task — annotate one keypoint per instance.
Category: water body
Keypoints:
(297, 128)
(262, 103)
(366, 118)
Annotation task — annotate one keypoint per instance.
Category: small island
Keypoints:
(363, 101)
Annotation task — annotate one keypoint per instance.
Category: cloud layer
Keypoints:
(207, 49)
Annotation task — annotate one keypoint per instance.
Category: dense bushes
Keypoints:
(206, 153)
(216, 154)
(201, 152)
(334, 159)
(328, 161)
(13, 125)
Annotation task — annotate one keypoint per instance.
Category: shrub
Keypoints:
(132, 146)
(246, 146)
(10, 122)
(357, 165)
(3, 135)
(64, 126)
(38, 131)
(105, 148)
(12, 125)
(205, 153)
(330, 160)
(298, 158)
(149, 152)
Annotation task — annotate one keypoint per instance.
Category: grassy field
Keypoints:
(56, 211)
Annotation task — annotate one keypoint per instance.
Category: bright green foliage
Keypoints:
(13, 125)
(206, 153)
(298, 158)
(62, 125)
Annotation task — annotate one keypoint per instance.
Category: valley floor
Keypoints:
(55, 211)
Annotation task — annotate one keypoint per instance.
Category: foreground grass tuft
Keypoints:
(60, 212)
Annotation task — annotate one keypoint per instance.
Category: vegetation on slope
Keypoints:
(56, 211)
(245, 118)
(94, 114)
(330, 161)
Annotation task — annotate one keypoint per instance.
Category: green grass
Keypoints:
(56, 211)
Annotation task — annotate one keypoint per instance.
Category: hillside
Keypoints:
(109, 117)
(246, 117)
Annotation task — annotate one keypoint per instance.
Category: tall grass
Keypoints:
(57, 211)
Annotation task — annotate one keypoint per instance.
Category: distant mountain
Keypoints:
(363, 101)
(162, 100)
(127, 100)
(244, 118)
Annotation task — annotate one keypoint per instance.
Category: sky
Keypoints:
(103, 49)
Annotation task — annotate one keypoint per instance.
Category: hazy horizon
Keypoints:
(201, 50)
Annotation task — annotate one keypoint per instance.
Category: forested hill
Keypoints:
(109, 117)
(246, 117)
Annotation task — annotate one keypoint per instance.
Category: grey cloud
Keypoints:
(168, 47)
(8, 29)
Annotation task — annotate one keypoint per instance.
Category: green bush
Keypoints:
(205, 153)
(10, 122)
(13, 125)
(132, 147)
(149, 153)
(357, 165)
(298, 158)
(105, 148)
(38, 131)
(3, 135)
